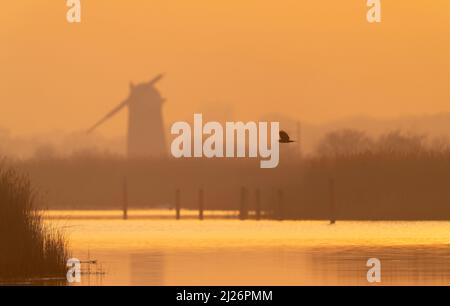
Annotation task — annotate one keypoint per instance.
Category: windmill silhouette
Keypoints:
(146, 136)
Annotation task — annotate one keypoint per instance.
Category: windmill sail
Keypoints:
(109, 115)
(145, 137)
(156, 79)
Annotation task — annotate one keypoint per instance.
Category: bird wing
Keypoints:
(284, 136)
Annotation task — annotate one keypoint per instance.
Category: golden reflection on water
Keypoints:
(156, 251)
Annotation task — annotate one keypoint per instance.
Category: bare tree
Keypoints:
(344, 143)
(398, 142)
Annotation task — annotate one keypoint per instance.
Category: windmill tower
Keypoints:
(146, 136)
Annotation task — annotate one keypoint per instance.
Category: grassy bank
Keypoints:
(28, 248)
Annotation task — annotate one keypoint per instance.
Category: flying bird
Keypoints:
(284, 137)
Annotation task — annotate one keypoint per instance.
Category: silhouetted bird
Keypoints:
(284, 137)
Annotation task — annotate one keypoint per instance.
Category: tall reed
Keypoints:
(29, 249)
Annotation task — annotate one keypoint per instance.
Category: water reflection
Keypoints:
(231, 252)
(404, 265)
(147, 269)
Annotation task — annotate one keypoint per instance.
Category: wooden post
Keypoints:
(243, 207)
(125, 198)
(280, 214)
(258, 204)
(178, 204)
(332, 202)
(201, 204)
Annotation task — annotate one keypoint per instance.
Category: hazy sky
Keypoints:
(316, 60)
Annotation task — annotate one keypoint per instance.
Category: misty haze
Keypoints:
(87, 171)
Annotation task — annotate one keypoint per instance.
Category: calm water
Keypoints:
(152, 249)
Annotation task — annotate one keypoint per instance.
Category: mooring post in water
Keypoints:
(125, 198)
(178, 204)
(332, 201)
(258, 204)
(243, 207)
(201, 204)
(280, 208)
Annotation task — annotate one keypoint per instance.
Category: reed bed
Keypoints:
(29, 249)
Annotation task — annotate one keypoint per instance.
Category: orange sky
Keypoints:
(316, 60)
